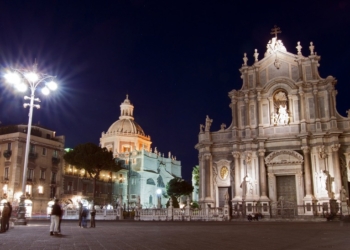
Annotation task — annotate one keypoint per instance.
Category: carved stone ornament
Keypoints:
(335, 147)
(224, 172)
(299, 48)
(236, 154)
(262, 152)
(248, 157)
(284, 157)
(322, 153)
(208, 123)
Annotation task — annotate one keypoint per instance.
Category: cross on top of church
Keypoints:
(275, 30)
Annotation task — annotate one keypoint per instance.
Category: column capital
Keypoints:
(261, 152)
(306, 149)
(236, 154)
(335, 147)
(207, 156)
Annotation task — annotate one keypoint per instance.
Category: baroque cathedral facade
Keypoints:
(286, 140)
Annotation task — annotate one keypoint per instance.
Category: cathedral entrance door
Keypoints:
(222, 193)
(286, 188)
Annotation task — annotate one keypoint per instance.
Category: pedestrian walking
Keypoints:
(56, 212)
(4, 217)
(8, 219)
(92, 222)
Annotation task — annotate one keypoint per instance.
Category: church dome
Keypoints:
(126, 123)
(126, 126)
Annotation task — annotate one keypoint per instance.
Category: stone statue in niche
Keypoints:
(247, 186)
(280, 116)
(322, 180)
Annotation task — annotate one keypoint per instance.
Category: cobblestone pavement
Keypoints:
(180, 235)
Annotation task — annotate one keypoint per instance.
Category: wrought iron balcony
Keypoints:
(33, 155)
(7, 153)
(55, 160)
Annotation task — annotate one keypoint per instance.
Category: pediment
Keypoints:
(284, 157)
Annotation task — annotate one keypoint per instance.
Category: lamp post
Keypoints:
(21, 79)
(159, 192)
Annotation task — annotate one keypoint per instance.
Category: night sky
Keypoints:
(177, 61)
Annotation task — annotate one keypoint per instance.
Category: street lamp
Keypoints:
(21, 79)
(159, 192)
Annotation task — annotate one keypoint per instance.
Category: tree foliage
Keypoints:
(93, 159)
(177, 187)
(195, 174)
(175, 202)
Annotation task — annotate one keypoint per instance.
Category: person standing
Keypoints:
(92, 222)
(8, 219)
(5, 217)
(80, 212)
(59, 223)
(84, 215)
(55, 217)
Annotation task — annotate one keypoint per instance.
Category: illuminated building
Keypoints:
(44, 168)
(286, 140)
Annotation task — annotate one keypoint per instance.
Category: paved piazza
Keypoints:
(181, 235)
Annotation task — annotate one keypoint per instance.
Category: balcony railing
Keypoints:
(7, 153)
(55, 160)
(33, 155)
(4, 179)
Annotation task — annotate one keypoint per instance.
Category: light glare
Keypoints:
(13, 78)
(45, 91)
(22, 87)
(33, 77)
(52, 85)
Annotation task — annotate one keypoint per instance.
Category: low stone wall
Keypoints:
(101, 214)
(185, 214)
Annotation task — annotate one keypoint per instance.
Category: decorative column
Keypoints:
(272, 109)
(262, 171)
(309, 198)
(238, 196)
(315, 92)
(302, 110)
(332, 102)
(201, 180)
(307, 169)
(234, 111)
(290, 103)
(247, 114)
(336, 168)
(234, 116)
(207, 175)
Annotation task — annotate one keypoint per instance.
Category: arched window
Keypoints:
(150, 200)
(150, 181)
(160, 182)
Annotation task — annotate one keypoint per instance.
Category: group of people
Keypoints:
(57, 214)
(83, 214)
(5, 217)
(56, 218)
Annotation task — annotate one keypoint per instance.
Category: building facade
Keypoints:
(44, 165)
(145, 171)
(286, 140)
